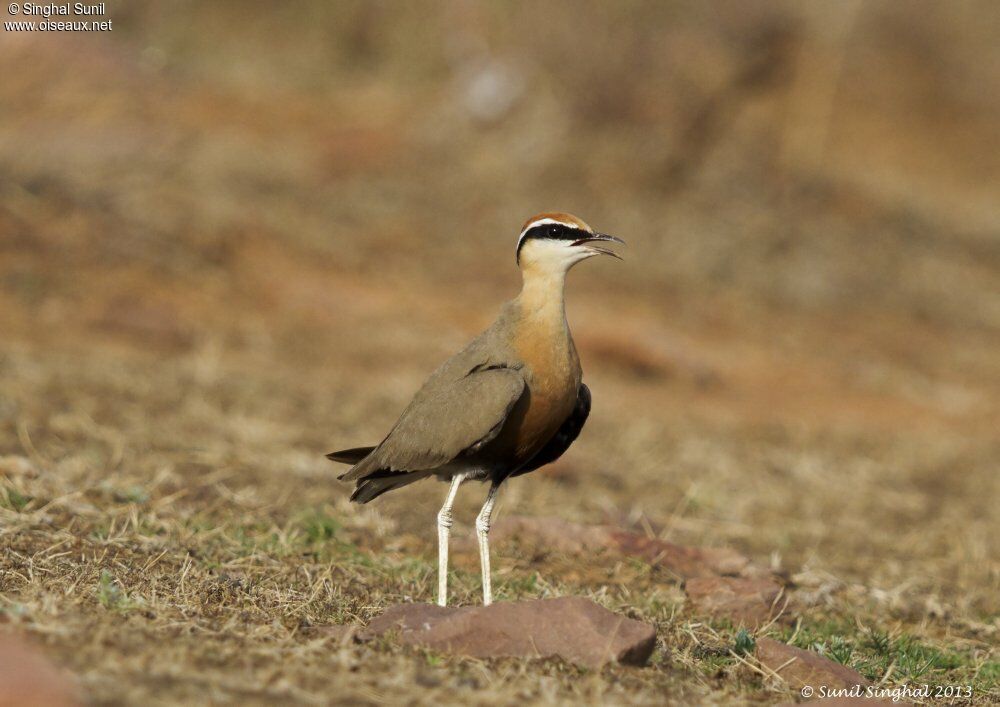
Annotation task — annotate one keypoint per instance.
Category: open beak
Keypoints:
(599, 237)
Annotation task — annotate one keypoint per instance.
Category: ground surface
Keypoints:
(206, 284)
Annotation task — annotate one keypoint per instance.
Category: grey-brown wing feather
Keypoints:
(449, 416)
(461, 407)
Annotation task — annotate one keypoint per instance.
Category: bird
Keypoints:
(510, 402)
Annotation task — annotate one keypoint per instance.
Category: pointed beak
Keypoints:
(597, 238)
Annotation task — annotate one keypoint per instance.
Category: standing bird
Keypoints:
(508, 403)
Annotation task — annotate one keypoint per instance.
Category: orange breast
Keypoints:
(553, 374)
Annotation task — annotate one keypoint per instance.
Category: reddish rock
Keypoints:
(28, 679)
(573, 538)
(685, 562)
(746, 602)
(574, 629)
(800, 668)
(553, 534)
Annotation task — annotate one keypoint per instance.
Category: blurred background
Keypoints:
(234, 236)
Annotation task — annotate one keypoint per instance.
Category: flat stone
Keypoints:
(747, 602)
(549, 533)
(800, 668)
(29, 679)
(575, 629)
(685, 562)
(564, 536)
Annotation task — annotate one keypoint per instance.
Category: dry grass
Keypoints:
(183, 541)
(208, 279)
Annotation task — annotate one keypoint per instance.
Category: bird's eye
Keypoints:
(553, 231)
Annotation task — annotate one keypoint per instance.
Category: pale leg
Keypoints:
(444, 525)
(483, 531)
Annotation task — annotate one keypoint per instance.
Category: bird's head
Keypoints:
(558, 241)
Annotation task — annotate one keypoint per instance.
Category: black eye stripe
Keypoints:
(555, 231)
(550, 231)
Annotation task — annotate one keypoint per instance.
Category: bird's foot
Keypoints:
(444, 521)
(483, 534)
(444, 524)
(483, 531)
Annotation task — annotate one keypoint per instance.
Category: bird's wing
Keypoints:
(567, 433)
(450, 415)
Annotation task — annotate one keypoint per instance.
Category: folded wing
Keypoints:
(449, 417)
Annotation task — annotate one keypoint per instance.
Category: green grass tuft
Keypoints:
(15, 500)
(112, 596)
(744, 643)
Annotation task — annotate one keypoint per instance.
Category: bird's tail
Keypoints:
(350, 456)
(374, 485)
